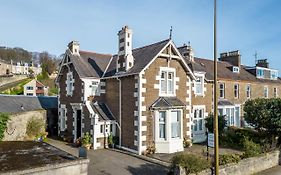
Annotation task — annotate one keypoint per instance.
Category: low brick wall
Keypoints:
(247, 166)
(75, 167)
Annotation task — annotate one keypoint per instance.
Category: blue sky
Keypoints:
(248, 26)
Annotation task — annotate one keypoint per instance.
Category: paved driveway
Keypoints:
(108, 162)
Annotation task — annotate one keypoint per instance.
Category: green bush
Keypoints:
(210, 123)
(191, 163)
(35, 127)
(229, 158)
(251, 148)
(87, 139)
(4, 118)
(234, 137)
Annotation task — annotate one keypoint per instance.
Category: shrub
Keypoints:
(210, 123)
(86, 139)
(35, 127)
(4, 118)
(251, 148)
(191, 163)
(229, 158)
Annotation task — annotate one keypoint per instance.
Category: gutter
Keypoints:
(120, 112)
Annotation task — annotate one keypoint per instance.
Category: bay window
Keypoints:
(175, 124)
(162, 124)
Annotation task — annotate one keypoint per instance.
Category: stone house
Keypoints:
(156, 95)
(236, 84)
(22, 109)
(35, 88)
(141, 95)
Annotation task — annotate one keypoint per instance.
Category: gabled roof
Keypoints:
(167, 102)
(21, 103)
(103, 111)
(90, 64)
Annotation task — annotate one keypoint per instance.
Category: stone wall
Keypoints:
(6, 80)
(76, 167)
(246, 166)
(16, 126)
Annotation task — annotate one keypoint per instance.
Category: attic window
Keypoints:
(235, 69)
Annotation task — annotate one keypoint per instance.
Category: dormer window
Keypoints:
(235, 69)
(167, 81)
(94, 88)
(273, 74)
(260, 73)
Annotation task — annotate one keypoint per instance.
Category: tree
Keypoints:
(265, 116)
(210, 123)
(48, 63)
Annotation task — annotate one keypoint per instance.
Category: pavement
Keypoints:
(272, 171)
(110, 162)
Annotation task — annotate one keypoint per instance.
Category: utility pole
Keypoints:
(216, 133)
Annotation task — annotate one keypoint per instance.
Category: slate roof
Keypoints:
(103, 111)
(21, 103)
(225, 71)
(90, 64)
(225, 102)
(142, 56)
(167, 102)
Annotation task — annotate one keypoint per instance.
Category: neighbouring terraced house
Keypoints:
(153, 95)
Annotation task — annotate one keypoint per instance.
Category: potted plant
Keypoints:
(86, 140)
(110, 141)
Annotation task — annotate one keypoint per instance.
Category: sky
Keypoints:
(246, 25)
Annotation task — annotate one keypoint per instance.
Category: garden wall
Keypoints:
(6, 80)
(16, 126)
(247, 166)
(75, 167)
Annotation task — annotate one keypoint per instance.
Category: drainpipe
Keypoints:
(120, 121)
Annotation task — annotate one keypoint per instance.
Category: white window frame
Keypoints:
(94, 85)
(63, 112)
(201, 83)
(69, 83)
(265, 91)
(166, 80)
(163, 123)
(228, 117)
(168, 132)
(248, 90)
(236, 91)
(258, 75)
(273, 72)
(197, 118)
(223, 89)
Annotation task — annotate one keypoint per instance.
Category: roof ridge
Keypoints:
(95, 52)
(150, 44)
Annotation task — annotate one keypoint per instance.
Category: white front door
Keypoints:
(198, 126)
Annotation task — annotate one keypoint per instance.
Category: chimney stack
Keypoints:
(125, 57)
(263, 63)
(74, 47)
(232, 57)
(187, 52)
